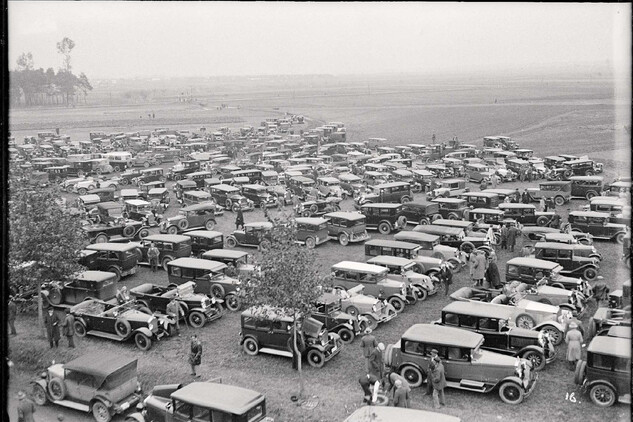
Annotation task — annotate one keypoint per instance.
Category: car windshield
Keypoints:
(475, 353)
(555, 274)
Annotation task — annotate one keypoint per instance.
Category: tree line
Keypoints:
(31, 87)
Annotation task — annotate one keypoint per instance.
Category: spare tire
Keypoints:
(183, 224)
(467, 247)
(122, 327)
(389, 354)
(579, 374)
(57, 389)
(128, 231)
(55, 296)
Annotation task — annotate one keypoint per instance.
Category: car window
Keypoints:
(249, 322)
(489, 324)
(80, 378)
(175, 271)
(564, 254)
(217, 416)
(183, 409)
(415, 348)
(456, 353)
(602, 362)
(468, 321)
(622, 365)
(548, 253)
(451, 319)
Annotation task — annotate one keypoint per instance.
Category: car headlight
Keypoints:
(403, 290)
(374, 308)
(150, 326)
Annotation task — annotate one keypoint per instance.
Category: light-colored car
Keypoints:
(355, 302)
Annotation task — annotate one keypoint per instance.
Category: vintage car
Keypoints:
(576, 167)
(144, 159)
(256, 234)
(355, 303)
(606, 372)
(351, 185)
(300, 186)
(182, 169)
(539, 233)
(348, 274)
(384, 413)
(139, 210)
(449, 188)
(392, 192)
(586, 186)
(481, 199)
(455, 237)
(318, 207)
(118, 258)
(558, 191)
(150, 175)
(202, 401)
(196, 308)
(531, 270)
(347, 227)
(88, 284)
(452, 208)
(191, 217)
(606, 317)
(200, 178)
(259, 195)
(527, 215)
(418, 284)
(618, 209)
(503, 142)
(384, 217)
(102, 384)
(204, 240)
(466, 366)
(421, 212)
(572, 257)
(120, 322)
(268, 330)
(501, 192)
(597, 224)
(128, 176)
(330, 186)
(429, 254)
(494, 323)
(553, 161)
(312, 231)
(238, 263)
(170, 247)
(231, 198)
(477, 172)
(101, 233)
(620, 188)
(328, 311)
(209, 278)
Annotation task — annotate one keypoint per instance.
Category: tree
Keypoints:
(25, 61)
(44, 239)
(64, 47)
(289, 279)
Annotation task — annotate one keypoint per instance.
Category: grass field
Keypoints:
(576, 117)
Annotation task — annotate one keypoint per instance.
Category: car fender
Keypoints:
(102, 398)
(136, 417)
(587, 265)
(386, 221)
(145, 331)
(398, 295)
(513, 378)
(198, 309)
(531, 347)
(41, 383)
(82, 320)
(553, 323)
(588, 385)
(415, 365)
(245, 337)
(344, 325)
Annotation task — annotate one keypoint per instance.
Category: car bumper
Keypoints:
(532, 384)
(359, 237)
(213, 314)
(131, 271)
(385, 316)
(128, 403)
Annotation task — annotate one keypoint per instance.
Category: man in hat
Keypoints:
(376, 363)
(368, 343)
(479, 268)
(26, 408)
(429, 383)
(12, 311)
(574, 340)
(513, 233)
(446, 277)
(68, 328)
(152, 255)
(367, 382)
(52, 323)
(175, 311)
(438, 380)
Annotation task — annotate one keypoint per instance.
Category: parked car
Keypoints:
(418, 284)
(95, 284)
(328, 311)
(354, 302)
(527, 215)
(351, 185)
(259, 195)
(139, 210)
(586, 186)
(193, 216)
(466, 366)
(606, 372)
(481, 199)
(421, 212)
(199, 401)
(300, 186)
(619, 188)
(448, 188)
(384, 217)
(127, 177)
(101, 233)
(271, 331)
(204, 240)
(597, 224)
(455, 236)
(256, 234)
(312, 231)
(576, 167)
(453, 208)
(618, 209)
(170, 247)
(120, 322)
(558, 191)
(573, 262)
(317, 207)
(531, 271)
(393, 192)
(197, 309)
(182, 169)
(494, 323)
(118, 258)
(347, 227)
(231, 198)
(105, 384)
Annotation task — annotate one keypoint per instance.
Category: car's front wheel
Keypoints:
(316, 359)
(421, 293)
(590, 274)
(384, 228)
(413, 375)
(310, 243)
(554, 334)
(250, 347)
(397, 303)
(196, 319)
(537, 359)
(343, 239)
(511, 393)
(100, 412)
(602, 395)
(39, 395)
(233, 303)
(346, 335)
(142, 341)
(231, 243)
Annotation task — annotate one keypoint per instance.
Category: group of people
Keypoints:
(53, 322)
(395, 387)
(483, 268)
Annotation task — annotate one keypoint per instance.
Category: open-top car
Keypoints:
(328, 311)
(192, 217)
(196, 308)
(354, 302)
(105, 384)
(420, 285)
(466, 365)
(120, 322)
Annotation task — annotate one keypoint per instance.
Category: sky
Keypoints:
(121, 39)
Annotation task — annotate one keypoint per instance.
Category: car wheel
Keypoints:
(353, 311)
(511, 393)
(602, 395)
(231, 242)
(453, 216)
(100, 412)
(250, 346)
(413, 375)
(619, 238)
(405, 199)
(55, 296)
(346, 335)
(122, 327)
(397, 303)
(555, 334)
(196, 319)
(421, 294)
(424, 221)
(235, 208)
(172, 230)
(124, 181)
(590, 195)
(315, 358)
(80, 329)
(372, 323)
(217, 291)
(579, 373)
(209, 225)
(39, 395)
(413, 298)
(590, 274)
(232, 303)
(542, 221)
(116, 271)
(525, 321)
(455, 265)
(82, 191)
(165, 261)
(116, 169)
(343, 239)
(310, 243)
(101, 238)
(56, 389)
(129, 231)
(537, 359)
(559, 200)
(143, 234)
(146, 164)
(142, 341)
(384, 228)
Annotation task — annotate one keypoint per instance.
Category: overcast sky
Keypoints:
(128, 39)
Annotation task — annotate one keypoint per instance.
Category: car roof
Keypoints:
(136, 202)
(620, 331)
(348, 215)
(200, 206)
(156, 190)
(254, 186)
(445, 336)
(167, 238)
(116, 247)
(109, 205)
(448, 200)
(390, 185)
(328, 179)
(486, 211)
(533, 262)
(267, 312)
(439, 230)
(612, 346)
(515, 205)
(481, 194)
(349, 176)
(205, 264)
(198, 193)
(445, 222)
(359, 266)
(621, 184)
(555, 183)
(311, 220)
(592, 178)
(579, 160)
(418, 236)
(90, 197)
(225, 187)
(392, 243)
(225, 398)
(225, 253)
(95, 275)
(186, 182)
(99, 364)
(389, 260)
(380, 205)
(590, 214)
(268, 173)
(391, 414)
(260, 224)
(479, 309)
(203, 233)
(500, 191)
(558, 245)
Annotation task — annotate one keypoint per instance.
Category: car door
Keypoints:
(494, 338)
(80, 387)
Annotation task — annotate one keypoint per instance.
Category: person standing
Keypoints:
(393, 379)
(152, 255)
(400, 396)
(368, 343)
(529, 174)
(525, 197)
(438, 380)
(239, 219)
(367, 382)
(175, 311)
(429, 381)
(52, 323)
(479, 270)
(574, 339)
(494, 181)
(513, 232)
(26, 408)
(446, 277)
(492, 273)
(541, 205)
(195, 354)
(503, 232)
(376, 363)
(68, 328)
(11, 313)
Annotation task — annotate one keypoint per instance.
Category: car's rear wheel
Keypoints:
(100, 412)
(602, 395)
(542, 221)
(231, 242)
(310, 243)
(101, 238)
(39, 395)
(116, 271)
(591, 194)
(232, 303)
(142, 341)
(250, 346)
(413, 375)
(80, 329)
(166, 260)
(209, 225)
(124, 181)
(619, 238)
(559, 200)
(55, 296)
(371, 323)
(525, 321)
(511, 393)
(343, 239)
(143, 233)
(424, 221)
(545, 301)
(453, 216)
(555, 334)
(346, 335)
(384, 228)
(217, 291)
(455, 264)
(57, 389)
(316, 359)
(397, 303)
(82, 191)
(196, 319)
(352, 310)
(537, 359)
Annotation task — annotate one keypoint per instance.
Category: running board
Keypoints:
(73, 405)
(468, 385)
(102, 334)
(276, 352)
(626, 398)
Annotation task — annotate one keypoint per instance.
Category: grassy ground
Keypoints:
(561, 117)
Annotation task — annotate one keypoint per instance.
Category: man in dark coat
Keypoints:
(26, 408)
(195, 355)
(12, 311)
(446, 276)
(52, 323)
(504, 236)
(367, 381)
(68, 328)
(239, 219)
(525, 197)
(492, 274)
(438, 379)
(175, 311)
(513, 233)
(400, 395)
(368, 343)
(376, 364)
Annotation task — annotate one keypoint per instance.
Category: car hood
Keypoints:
(363, 300)
(448, 250)
(523, 332)
(530, 305)
(553, 291)
(134, 315)
(388, 282)
(428, 260)
(176, 218)
(494, 359)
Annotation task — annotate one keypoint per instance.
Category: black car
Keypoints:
(384, 217)
(328, 311)
(421, 212)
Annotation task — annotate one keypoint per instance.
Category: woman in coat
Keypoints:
(574, 339)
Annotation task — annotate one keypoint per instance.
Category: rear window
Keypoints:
(121, 376)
